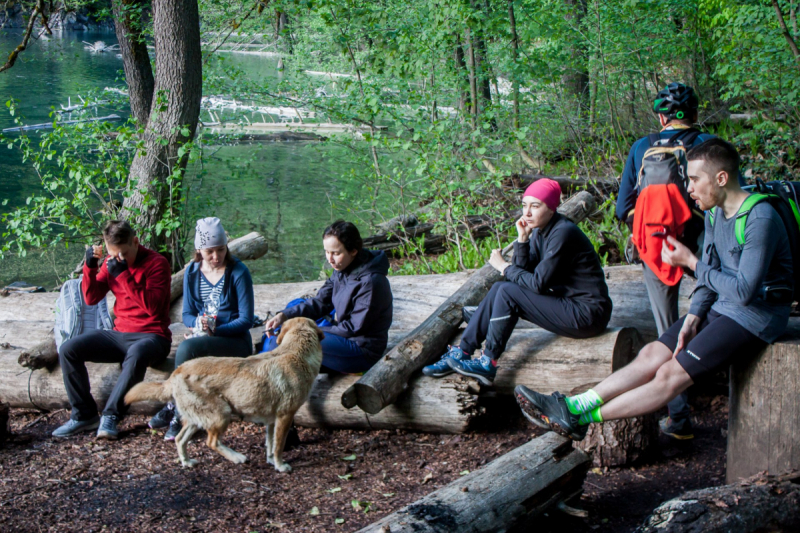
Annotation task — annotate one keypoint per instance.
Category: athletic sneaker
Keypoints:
(441, 368)
(162, 418)
(175, 427)
(549, 412)
(73, 427)
(108, 427)
(676, 430)
(482, 369)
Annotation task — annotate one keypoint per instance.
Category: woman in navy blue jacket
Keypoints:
(217, 300)
(359, 296)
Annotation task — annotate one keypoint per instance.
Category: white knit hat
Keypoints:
(209, 233)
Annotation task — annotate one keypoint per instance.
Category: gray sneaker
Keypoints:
(108, 427)
(73, 427)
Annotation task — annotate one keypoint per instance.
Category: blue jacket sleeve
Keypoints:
(189, 313)
(244, 291)
(626, 198)
(316, 307)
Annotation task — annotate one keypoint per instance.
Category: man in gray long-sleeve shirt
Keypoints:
(736, 309)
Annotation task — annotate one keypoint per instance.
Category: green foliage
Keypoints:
(607, 235)
(450, 261)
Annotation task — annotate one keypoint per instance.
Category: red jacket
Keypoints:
(659, 208)
(142, 293)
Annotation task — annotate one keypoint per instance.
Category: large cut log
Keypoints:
(448, 405)
(43, 355)
(764, 411)
(620, 442)
(760, 504)
(384, 382)
(251, 246)
(510, 492)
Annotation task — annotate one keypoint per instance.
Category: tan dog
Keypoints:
(266, 389)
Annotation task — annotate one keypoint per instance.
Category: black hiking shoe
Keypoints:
(676, 430)
(162, 418)
(175, 427)
(549, 412)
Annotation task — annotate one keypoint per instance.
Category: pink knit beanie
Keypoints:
(546, 190)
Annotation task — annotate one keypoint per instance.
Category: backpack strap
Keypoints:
(685, 136)
(741, 216)
(654, 139)
(792, 195)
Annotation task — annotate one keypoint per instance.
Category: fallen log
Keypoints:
(43, 355)
(762, 503)
(567, 183)
(764, 412)
(383, 383)
(507, 493)
(251, 246)
(448, 405)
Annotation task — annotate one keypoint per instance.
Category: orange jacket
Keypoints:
(660, 211)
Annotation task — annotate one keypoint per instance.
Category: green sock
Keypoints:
(583, 403)
(591, 416)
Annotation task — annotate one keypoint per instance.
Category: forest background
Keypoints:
(456, 99)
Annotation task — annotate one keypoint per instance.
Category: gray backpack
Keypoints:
(665, 162)
(74, 316)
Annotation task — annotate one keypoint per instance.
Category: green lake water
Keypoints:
(283, 190)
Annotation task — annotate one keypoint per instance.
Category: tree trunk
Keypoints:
(462, 75)
(620, 442)
(508, 493)
(172, 121)
(576, 79)
(759, 504)
(448, 405)
(764, 411)
(129, 24)
(382, 384)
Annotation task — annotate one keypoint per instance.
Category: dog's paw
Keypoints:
(239, 459)
(285, 468)
(270, 460)
(189, 463)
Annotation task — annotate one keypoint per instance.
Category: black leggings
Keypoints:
(507, 302)
(135, 351)
(213, 346)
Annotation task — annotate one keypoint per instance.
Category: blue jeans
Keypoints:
(338, 354)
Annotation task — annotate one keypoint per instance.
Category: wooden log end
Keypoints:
(369, 399)
(350, 397)
(43, 355)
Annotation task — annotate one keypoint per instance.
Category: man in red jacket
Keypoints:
(140, 280)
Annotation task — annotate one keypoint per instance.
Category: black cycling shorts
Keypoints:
(719, 342)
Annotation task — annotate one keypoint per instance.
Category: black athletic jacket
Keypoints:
(361, 297)
(559, 260)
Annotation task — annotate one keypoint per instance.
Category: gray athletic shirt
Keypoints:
(730, 277)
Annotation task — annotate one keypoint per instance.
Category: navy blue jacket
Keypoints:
(626, 199)
(362, 300)
(235, 316)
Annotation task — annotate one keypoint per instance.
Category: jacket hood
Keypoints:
(370, 262)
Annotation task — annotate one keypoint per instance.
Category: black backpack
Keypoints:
(783, 197)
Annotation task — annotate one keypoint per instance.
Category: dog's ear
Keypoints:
(320, 333)
(285, 328)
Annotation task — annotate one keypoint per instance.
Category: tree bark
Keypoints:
(507, 494)
(620, 442)
(759, 504)
(129, 25)
(382, 384)
(462, 75)
(173, 117)
(576, 79)
(764, 412)
(43, 355)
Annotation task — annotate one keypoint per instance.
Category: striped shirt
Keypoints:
(207, 289)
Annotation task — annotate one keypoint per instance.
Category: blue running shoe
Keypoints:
(483, 369)
(441, 368)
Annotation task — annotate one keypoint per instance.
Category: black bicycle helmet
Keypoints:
(676, 101)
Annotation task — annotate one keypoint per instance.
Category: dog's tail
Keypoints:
(160, 391)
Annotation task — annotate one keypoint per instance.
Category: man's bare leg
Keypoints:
(637, 373)
(670, 380)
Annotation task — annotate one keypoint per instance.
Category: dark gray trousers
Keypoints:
(135, 351)
(664, 303)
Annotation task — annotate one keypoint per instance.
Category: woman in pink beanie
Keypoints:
(555, 281)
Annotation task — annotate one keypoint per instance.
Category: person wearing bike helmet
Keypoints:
(676, 107)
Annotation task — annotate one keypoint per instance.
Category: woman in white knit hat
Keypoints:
(217, 299)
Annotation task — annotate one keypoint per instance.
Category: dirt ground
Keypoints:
(342, 480)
